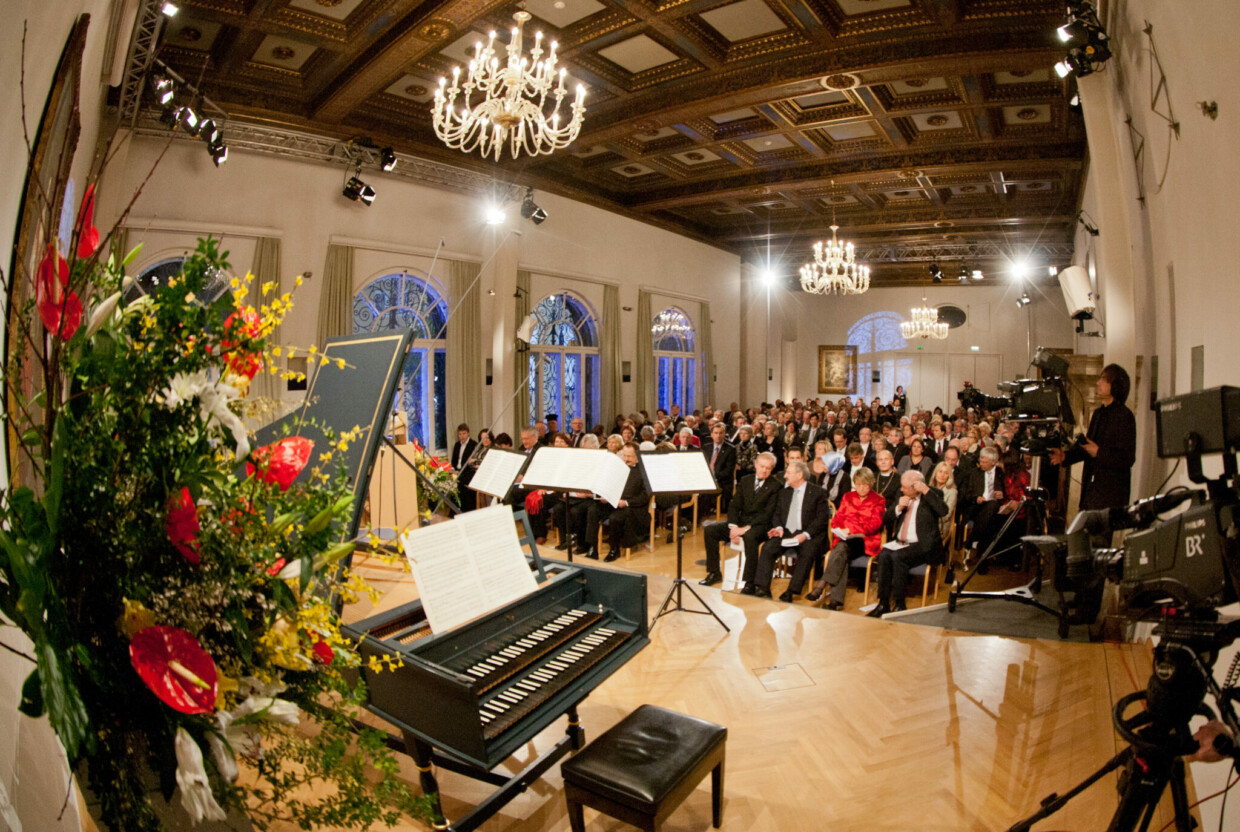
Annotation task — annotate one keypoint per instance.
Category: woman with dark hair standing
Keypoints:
(1110, 446)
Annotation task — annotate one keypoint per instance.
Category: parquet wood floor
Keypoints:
(879, 725)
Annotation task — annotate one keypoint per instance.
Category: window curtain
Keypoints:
(521, 360)
(336, 300)
(464, 348)
(708, 358)
(609, 397)
(644, 377)
(266, 269)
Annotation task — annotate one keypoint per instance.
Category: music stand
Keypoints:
(680, 474)
(565, 470)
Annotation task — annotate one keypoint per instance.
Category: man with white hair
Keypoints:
(916, 540)
(799, 528)
(685, 439)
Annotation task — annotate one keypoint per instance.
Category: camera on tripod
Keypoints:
(1039, 406)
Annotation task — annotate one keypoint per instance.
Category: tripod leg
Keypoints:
(1179, 798)
(1141, 787)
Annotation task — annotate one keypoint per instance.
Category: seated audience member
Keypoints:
(629, 522)
(749, 517)
(916, 542)
(916, 459)
(838, 483)
(818, 471)
(746, 452)
(686, 439)
(721, 457)
(861, 513)
(981, 490)
(887, 484)
(503, 441)
(463, 453)
(540, 504)
(991, 519)
(580, 506)
(942, 479)
(615, 442)
(801, 515)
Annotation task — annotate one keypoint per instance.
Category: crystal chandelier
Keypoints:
(670, 323)
(507, 104)
(924, 323)
(834, 269)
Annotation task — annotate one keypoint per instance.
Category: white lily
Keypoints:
(225, 760)
(102, 313)
(196, 794)
(213, 398)
(245, 738)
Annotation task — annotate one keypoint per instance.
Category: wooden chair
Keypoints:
(923, 571)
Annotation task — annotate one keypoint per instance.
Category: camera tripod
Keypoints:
(1158, 735)
(1035, 501)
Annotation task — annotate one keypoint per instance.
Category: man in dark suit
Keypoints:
(749, 517)
(980, 489)
(462, 451)
(802, 513)
(916, 542)
(721, 457)
(628, 521)
(812, 433)
(577, 431)
(864, 436)
(938, 443)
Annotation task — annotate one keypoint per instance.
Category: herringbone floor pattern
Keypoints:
(901, 728)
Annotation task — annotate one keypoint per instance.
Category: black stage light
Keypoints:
(189, 121)
(936, 273)
(964, 274)
(358, 191)
(164, 89)
(209, 132)
(219, 153)
(387, 158)
(531, 211)
(169, 116)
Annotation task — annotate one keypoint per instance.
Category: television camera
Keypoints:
(1180, 569)
(1039, 406)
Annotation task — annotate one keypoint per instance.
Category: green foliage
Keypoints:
(127, 415)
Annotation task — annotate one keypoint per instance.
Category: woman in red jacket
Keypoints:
(860, 516)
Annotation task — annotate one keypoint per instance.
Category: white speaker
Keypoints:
(526, 329)
(1074, 281)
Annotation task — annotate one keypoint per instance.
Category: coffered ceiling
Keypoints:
(924, 127)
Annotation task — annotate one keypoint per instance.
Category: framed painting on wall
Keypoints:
(837, 369)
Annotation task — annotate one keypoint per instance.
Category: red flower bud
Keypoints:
(88, 236)
(59, 309)
(281, 462)
(182, 525)
(175, 667)
(240, 328)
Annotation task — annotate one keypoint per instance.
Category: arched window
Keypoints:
(879, 332)
(402, 301)
(675, 360)
(564, 361)
(161, 271)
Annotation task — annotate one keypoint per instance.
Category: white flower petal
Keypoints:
(191, 776)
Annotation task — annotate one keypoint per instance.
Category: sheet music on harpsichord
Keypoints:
(497, 471)
(468, 566)
(578, 469)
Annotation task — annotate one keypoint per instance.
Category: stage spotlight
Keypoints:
(170, 9)
(1062, 69)
(1020, 269)
(495, 215)
(977, 274)
(164, 89)
(169, 116)
(1053, 271)
(1075, 101)
(531, 211)
(358, 191)
(936, 273)
(769, 276)
(219, 155)
(189, 121)
(964, 274)
(1023, 301)
(387, 158)
(209, 132)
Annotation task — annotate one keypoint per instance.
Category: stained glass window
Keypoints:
(404, 301)
(673, 337)
(877, 332)
(564, 340)
(158, 274)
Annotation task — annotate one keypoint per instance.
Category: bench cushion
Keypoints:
(640, 761)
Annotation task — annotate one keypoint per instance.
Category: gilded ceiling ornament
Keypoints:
(915, 82)
(416, 90)
(1020, 73)
(695, 156)
(1027, 114)
(937, 120)
(283, 53)
(968, 189)
(190, 34)
(910, 174)
(434, 30)
(329, 4)
(631, 169)
(840, 81)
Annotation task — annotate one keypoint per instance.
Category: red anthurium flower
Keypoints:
(88, 237)
(176, 668)
(241, 327)
(281, 462)
(275, 568)
(182, 524)
(59, 309)
(323, 653)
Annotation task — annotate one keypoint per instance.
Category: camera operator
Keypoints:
(1109, 448)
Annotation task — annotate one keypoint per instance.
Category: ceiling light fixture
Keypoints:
(1089, 47)
(977, 274)
(170, 9)
(1024, 300)
(964, 274)
(514, 101)
(923, 323)
(495, 215)
(530, 210)
(387, 158)
(936, 274)
(834, 269)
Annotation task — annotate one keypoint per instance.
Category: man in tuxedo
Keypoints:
(811, 433)
(462, 452)
(981, 491)
(916, 542)
(628, 521)
(721, 457)
(938, 442)
(749, 517)
(864, 436)
(576, 431)
(801, 514)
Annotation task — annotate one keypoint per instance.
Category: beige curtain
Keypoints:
(266, 269)
(644, 375)
(336, 302)
(707, 358)
(464, 338)
(521, 364)
(609, 395)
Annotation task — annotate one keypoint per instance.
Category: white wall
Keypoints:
(577, 248)
(931, 370)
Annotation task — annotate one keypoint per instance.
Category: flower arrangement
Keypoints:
(178, 587)
(438, 472)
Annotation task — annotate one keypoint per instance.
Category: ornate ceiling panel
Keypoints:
(751, 124)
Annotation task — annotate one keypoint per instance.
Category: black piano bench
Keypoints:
(644, 767)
